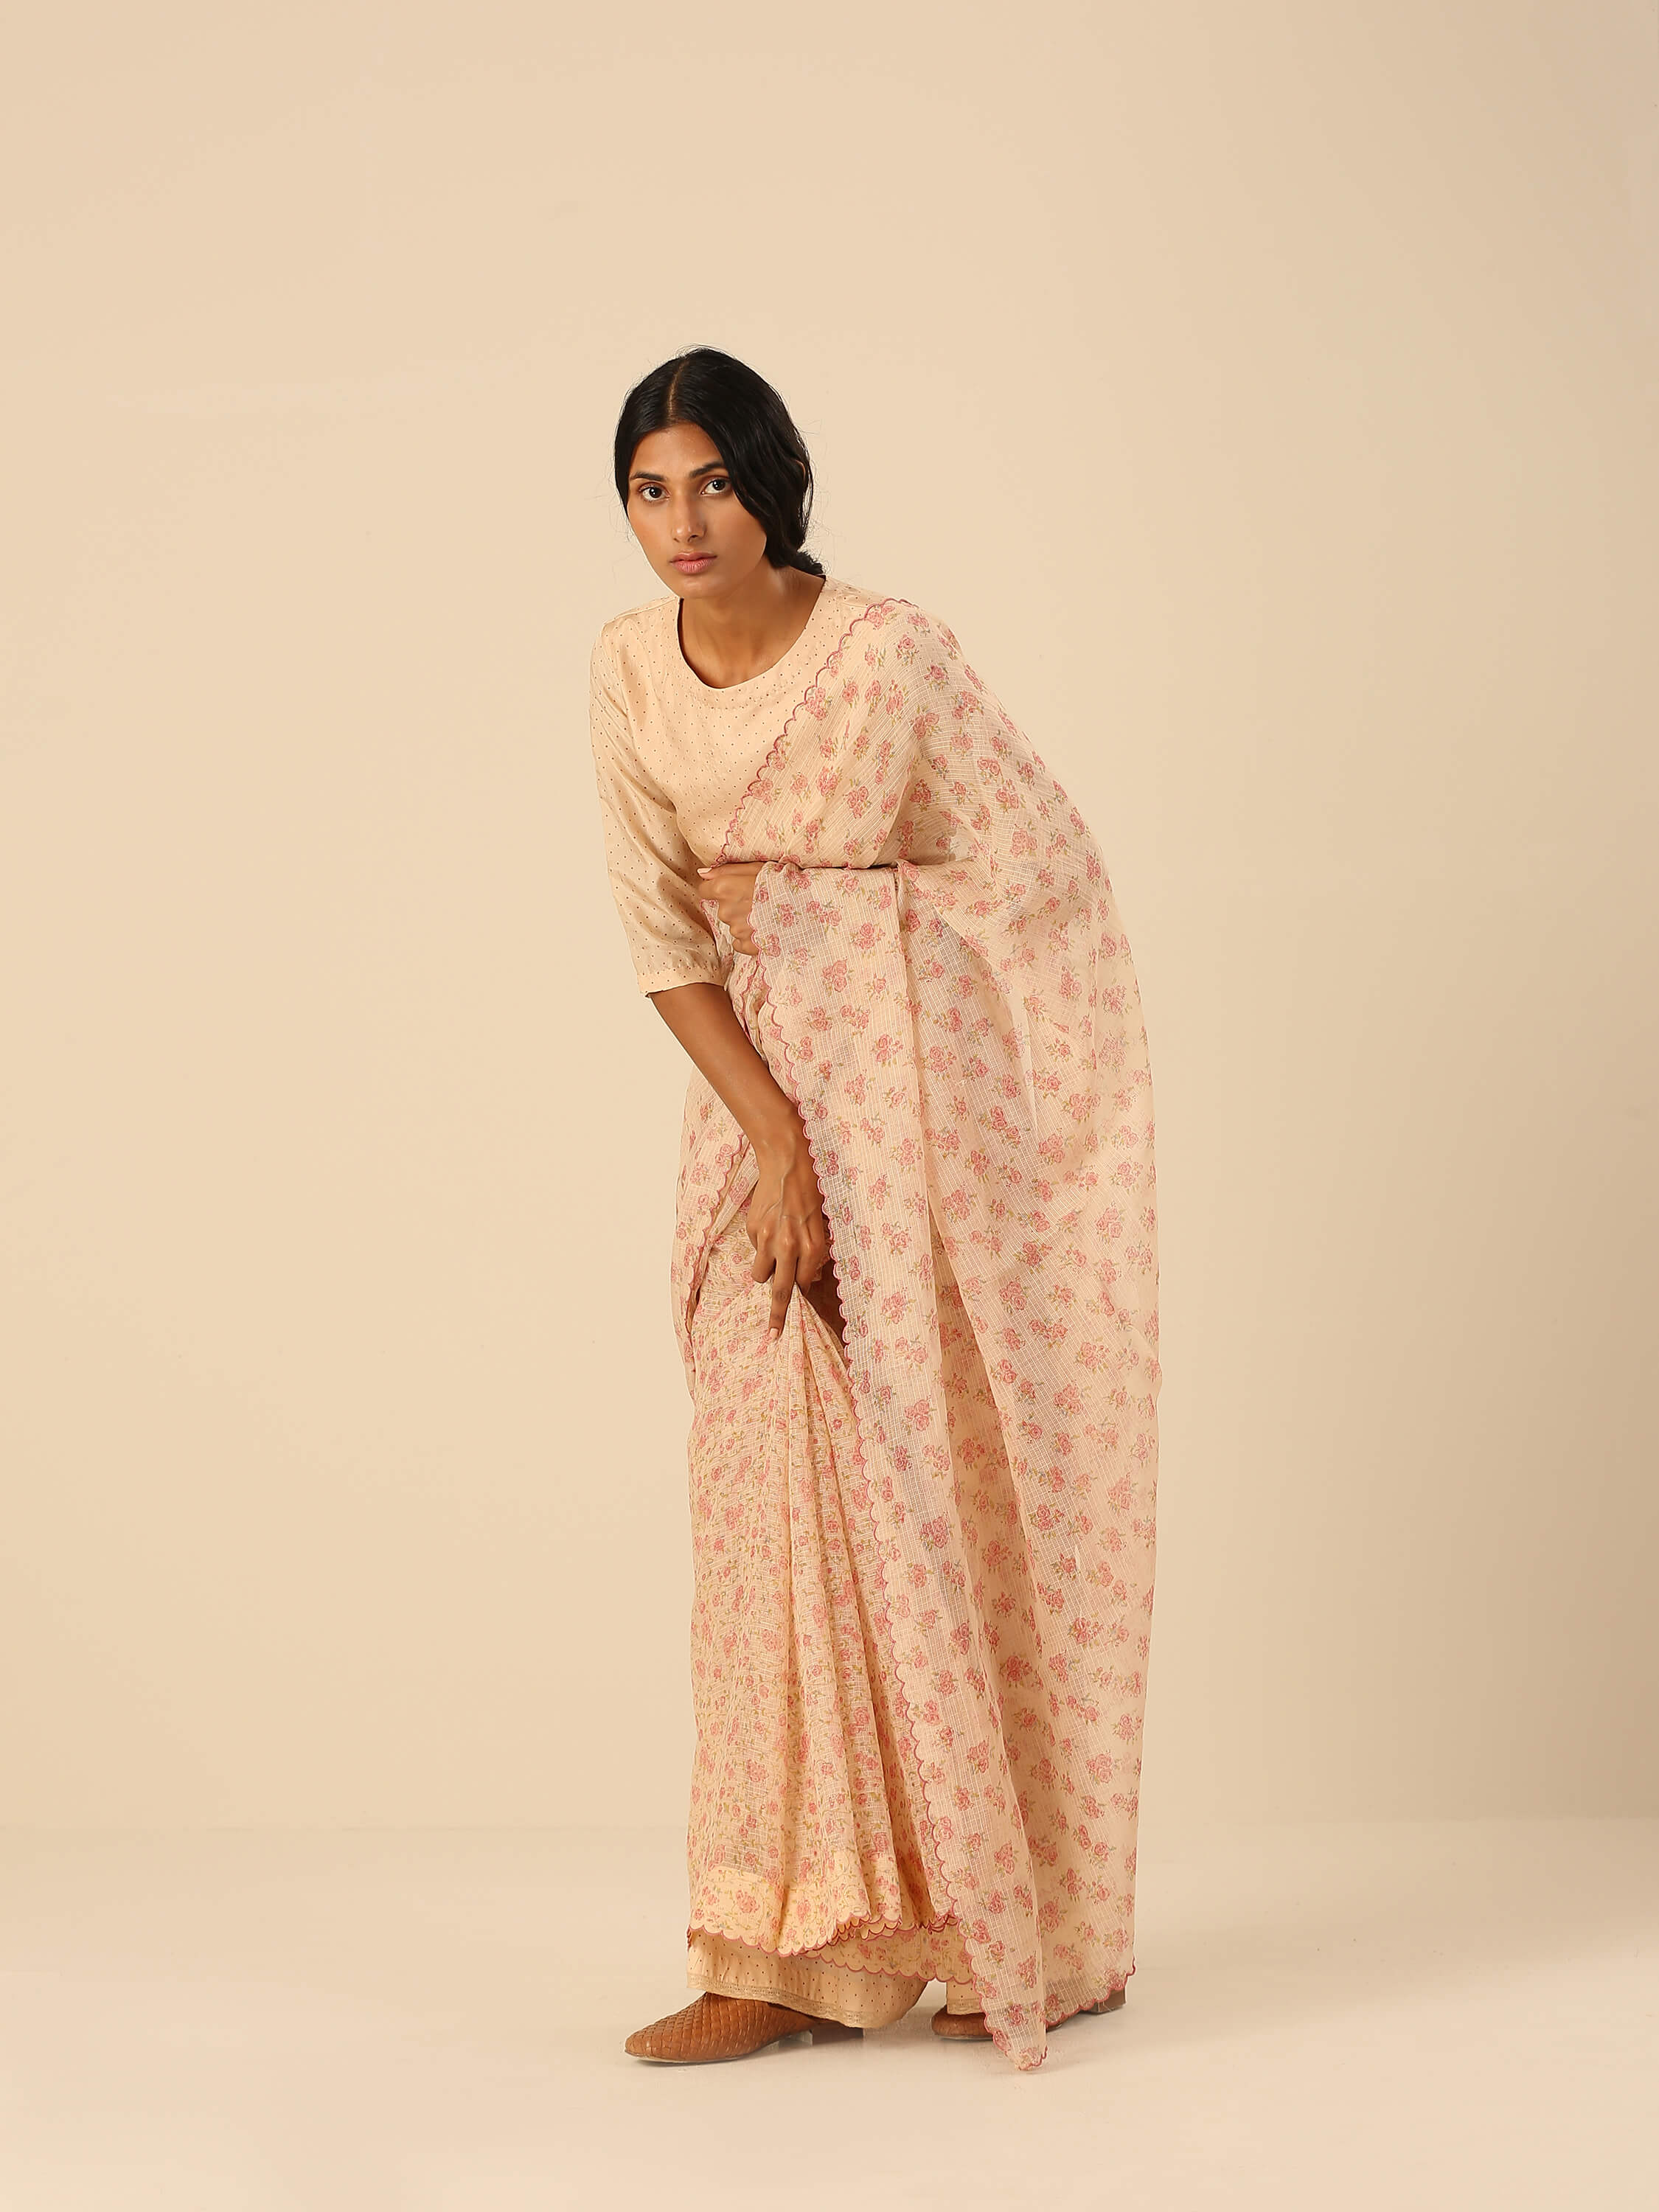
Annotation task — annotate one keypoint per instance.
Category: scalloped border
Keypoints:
(847, 1931)
(826, 667)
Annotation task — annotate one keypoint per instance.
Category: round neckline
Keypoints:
(736, 690)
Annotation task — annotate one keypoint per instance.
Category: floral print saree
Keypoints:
(924, 1556)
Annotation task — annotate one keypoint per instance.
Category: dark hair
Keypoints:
(764, 453)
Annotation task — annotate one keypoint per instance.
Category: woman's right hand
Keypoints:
(786, 1220)
(788, 1228)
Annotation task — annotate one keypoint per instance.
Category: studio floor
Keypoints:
(1460, 2015)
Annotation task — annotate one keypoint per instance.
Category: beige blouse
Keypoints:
(673, 756)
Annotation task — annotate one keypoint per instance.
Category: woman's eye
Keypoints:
(716, 483)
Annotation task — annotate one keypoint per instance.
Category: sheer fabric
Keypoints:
(924, 1558)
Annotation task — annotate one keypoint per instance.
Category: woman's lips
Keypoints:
(690, 564)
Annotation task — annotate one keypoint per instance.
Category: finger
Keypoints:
(783, 1283)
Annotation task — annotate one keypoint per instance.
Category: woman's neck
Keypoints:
(749, 630)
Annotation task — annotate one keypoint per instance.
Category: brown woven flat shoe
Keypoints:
(970, 2026)
(712, 2028)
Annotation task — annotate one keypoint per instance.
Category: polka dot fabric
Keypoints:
(672, 756)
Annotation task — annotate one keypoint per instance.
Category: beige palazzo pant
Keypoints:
(808, 1874)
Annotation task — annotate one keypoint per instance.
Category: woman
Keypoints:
(913, 1278)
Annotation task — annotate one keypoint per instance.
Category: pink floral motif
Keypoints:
(942, 985)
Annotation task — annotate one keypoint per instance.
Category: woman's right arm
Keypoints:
(786, 1223)
(652, 871)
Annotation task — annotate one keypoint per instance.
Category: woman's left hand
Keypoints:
(731, 886)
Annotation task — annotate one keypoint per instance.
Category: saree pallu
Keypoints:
(925, 1559)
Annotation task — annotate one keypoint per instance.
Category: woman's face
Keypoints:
(691, 525)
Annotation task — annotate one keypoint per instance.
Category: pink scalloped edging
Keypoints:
(850, 1931)
(828, 667)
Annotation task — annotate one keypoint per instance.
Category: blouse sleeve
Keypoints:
(654, 871)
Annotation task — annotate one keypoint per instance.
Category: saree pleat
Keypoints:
(800, 1828)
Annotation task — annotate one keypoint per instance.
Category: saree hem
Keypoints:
(794, 1941)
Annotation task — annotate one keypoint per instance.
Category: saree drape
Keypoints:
(925, 1742)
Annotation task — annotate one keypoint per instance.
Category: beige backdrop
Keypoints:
(1265, 394)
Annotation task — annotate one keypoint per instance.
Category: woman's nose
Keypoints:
(687, 525)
